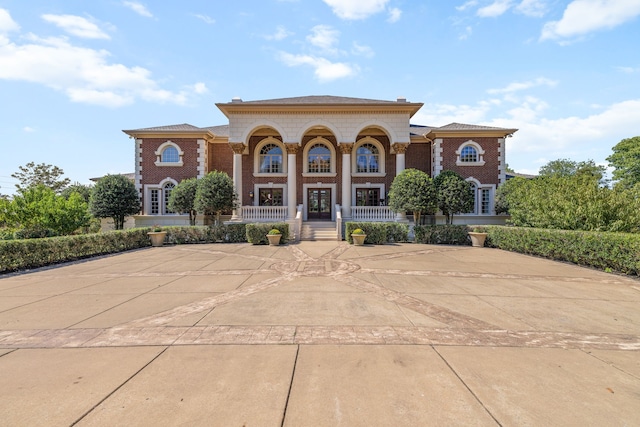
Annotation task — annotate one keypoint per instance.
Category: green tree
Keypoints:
(454, 194)
(31, 175)
(182, 198)
(76, 187)
(412, 191)
(626, 161)
(114, 196)
(566, 167)
(39, 208)
(215, 194)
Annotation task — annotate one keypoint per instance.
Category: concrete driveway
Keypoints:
(319, 334)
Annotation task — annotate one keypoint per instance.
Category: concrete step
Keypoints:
(318, 230)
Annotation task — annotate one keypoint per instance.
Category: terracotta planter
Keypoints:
(274, 239)
(358, 239)
(477, 239)
(157, 237)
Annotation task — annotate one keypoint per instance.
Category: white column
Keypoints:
(400, 149)
(292, 187)
(238, 149)
(400, 159)
(346, 149)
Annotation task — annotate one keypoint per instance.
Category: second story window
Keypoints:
(271, 159)
(367, 159)
(319, 159)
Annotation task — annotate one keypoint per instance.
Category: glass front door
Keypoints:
(319, 204)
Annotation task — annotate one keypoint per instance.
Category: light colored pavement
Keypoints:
(319, 334)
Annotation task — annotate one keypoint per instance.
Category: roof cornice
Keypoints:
(147, 133)
(409, 108)
(470, 133)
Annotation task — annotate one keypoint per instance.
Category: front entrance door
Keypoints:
(319, 204)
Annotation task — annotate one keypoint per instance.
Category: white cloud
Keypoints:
(205, 18)
(534, 8)
(77, 26)
(324, 69)
(199, 88)
(281, 33)
(585, 16)
(518, 86)
(466, 34)
(138, 8)
(84, 75)
(629, 70)
(394, 15)
(356, 9)
(362, 50)
(497, 8)
(467, 5)
(7, 24)
(28, 129)
(324, 37)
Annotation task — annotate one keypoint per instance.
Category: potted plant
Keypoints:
(274, 236)
(157, 235)
(478, 236)
(358, 236)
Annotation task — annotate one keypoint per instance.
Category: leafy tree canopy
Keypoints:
(454, 194)
(32, 175)
(76, 187)
(626, 161)
(182, 198)
(39, 208)
(215, 194)
(114, 196)
(413, 191)
(566, 167)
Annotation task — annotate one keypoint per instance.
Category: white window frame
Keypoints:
(161, 149)
(479, 162)
(477, 206)
(381, 158)
(161, 198)
(256, 158)
(368, 185)
(305, 158)
(257, 187)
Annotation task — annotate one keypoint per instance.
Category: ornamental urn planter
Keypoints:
(274, 239)
(477, 239)
(157, 237)
(358, 239)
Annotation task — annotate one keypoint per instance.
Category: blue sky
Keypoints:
(74, 73)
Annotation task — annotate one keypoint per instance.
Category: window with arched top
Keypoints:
(166, 193)
(319, 159)
(169, 154)
(271, 159)
(470, 153)
(156, 197)
(367, 159)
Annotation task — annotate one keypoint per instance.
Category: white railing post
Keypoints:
(339, 223)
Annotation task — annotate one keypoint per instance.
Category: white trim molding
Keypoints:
(256, 158)
(382, 158)
(305, 158)
(161, 149)
(479, 152)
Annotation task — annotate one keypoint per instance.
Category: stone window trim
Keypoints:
(381, 158)
(479, 190)
(305, 156)
(160, 151)
(256, 158)
(160, 187)
(258, 186)
(380, 186)
(479, 152)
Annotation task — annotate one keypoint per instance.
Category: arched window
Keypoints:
(319, 159)
(474, 188)
(470, 153)
(166, 192)
(169, 154)
(271, 159)
(367, 159)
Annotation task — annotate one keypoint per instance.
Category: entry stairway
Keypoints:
(318, 230)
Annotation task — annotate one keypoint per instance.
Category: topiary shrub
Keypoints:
(257, 233)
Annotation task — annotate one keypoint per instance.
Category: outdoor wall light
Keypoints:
(251, 194)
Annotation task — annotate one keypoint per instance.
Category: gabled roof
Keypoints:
(318, 103)
(184, 129)
(464, 130)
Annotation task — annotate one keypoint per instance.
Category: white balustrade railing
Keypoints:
(264, 213)
(339, 222)
(372, 213)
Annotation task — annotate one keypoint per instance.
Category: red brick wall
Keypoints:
(487, 174)
(418, 156)
(220, 158)
(152, 174)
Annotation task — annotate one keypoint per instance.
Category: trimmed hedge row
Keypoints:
(379, 233)
(33, 253)
(618, 252)
(257, 233)
(442, 234)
